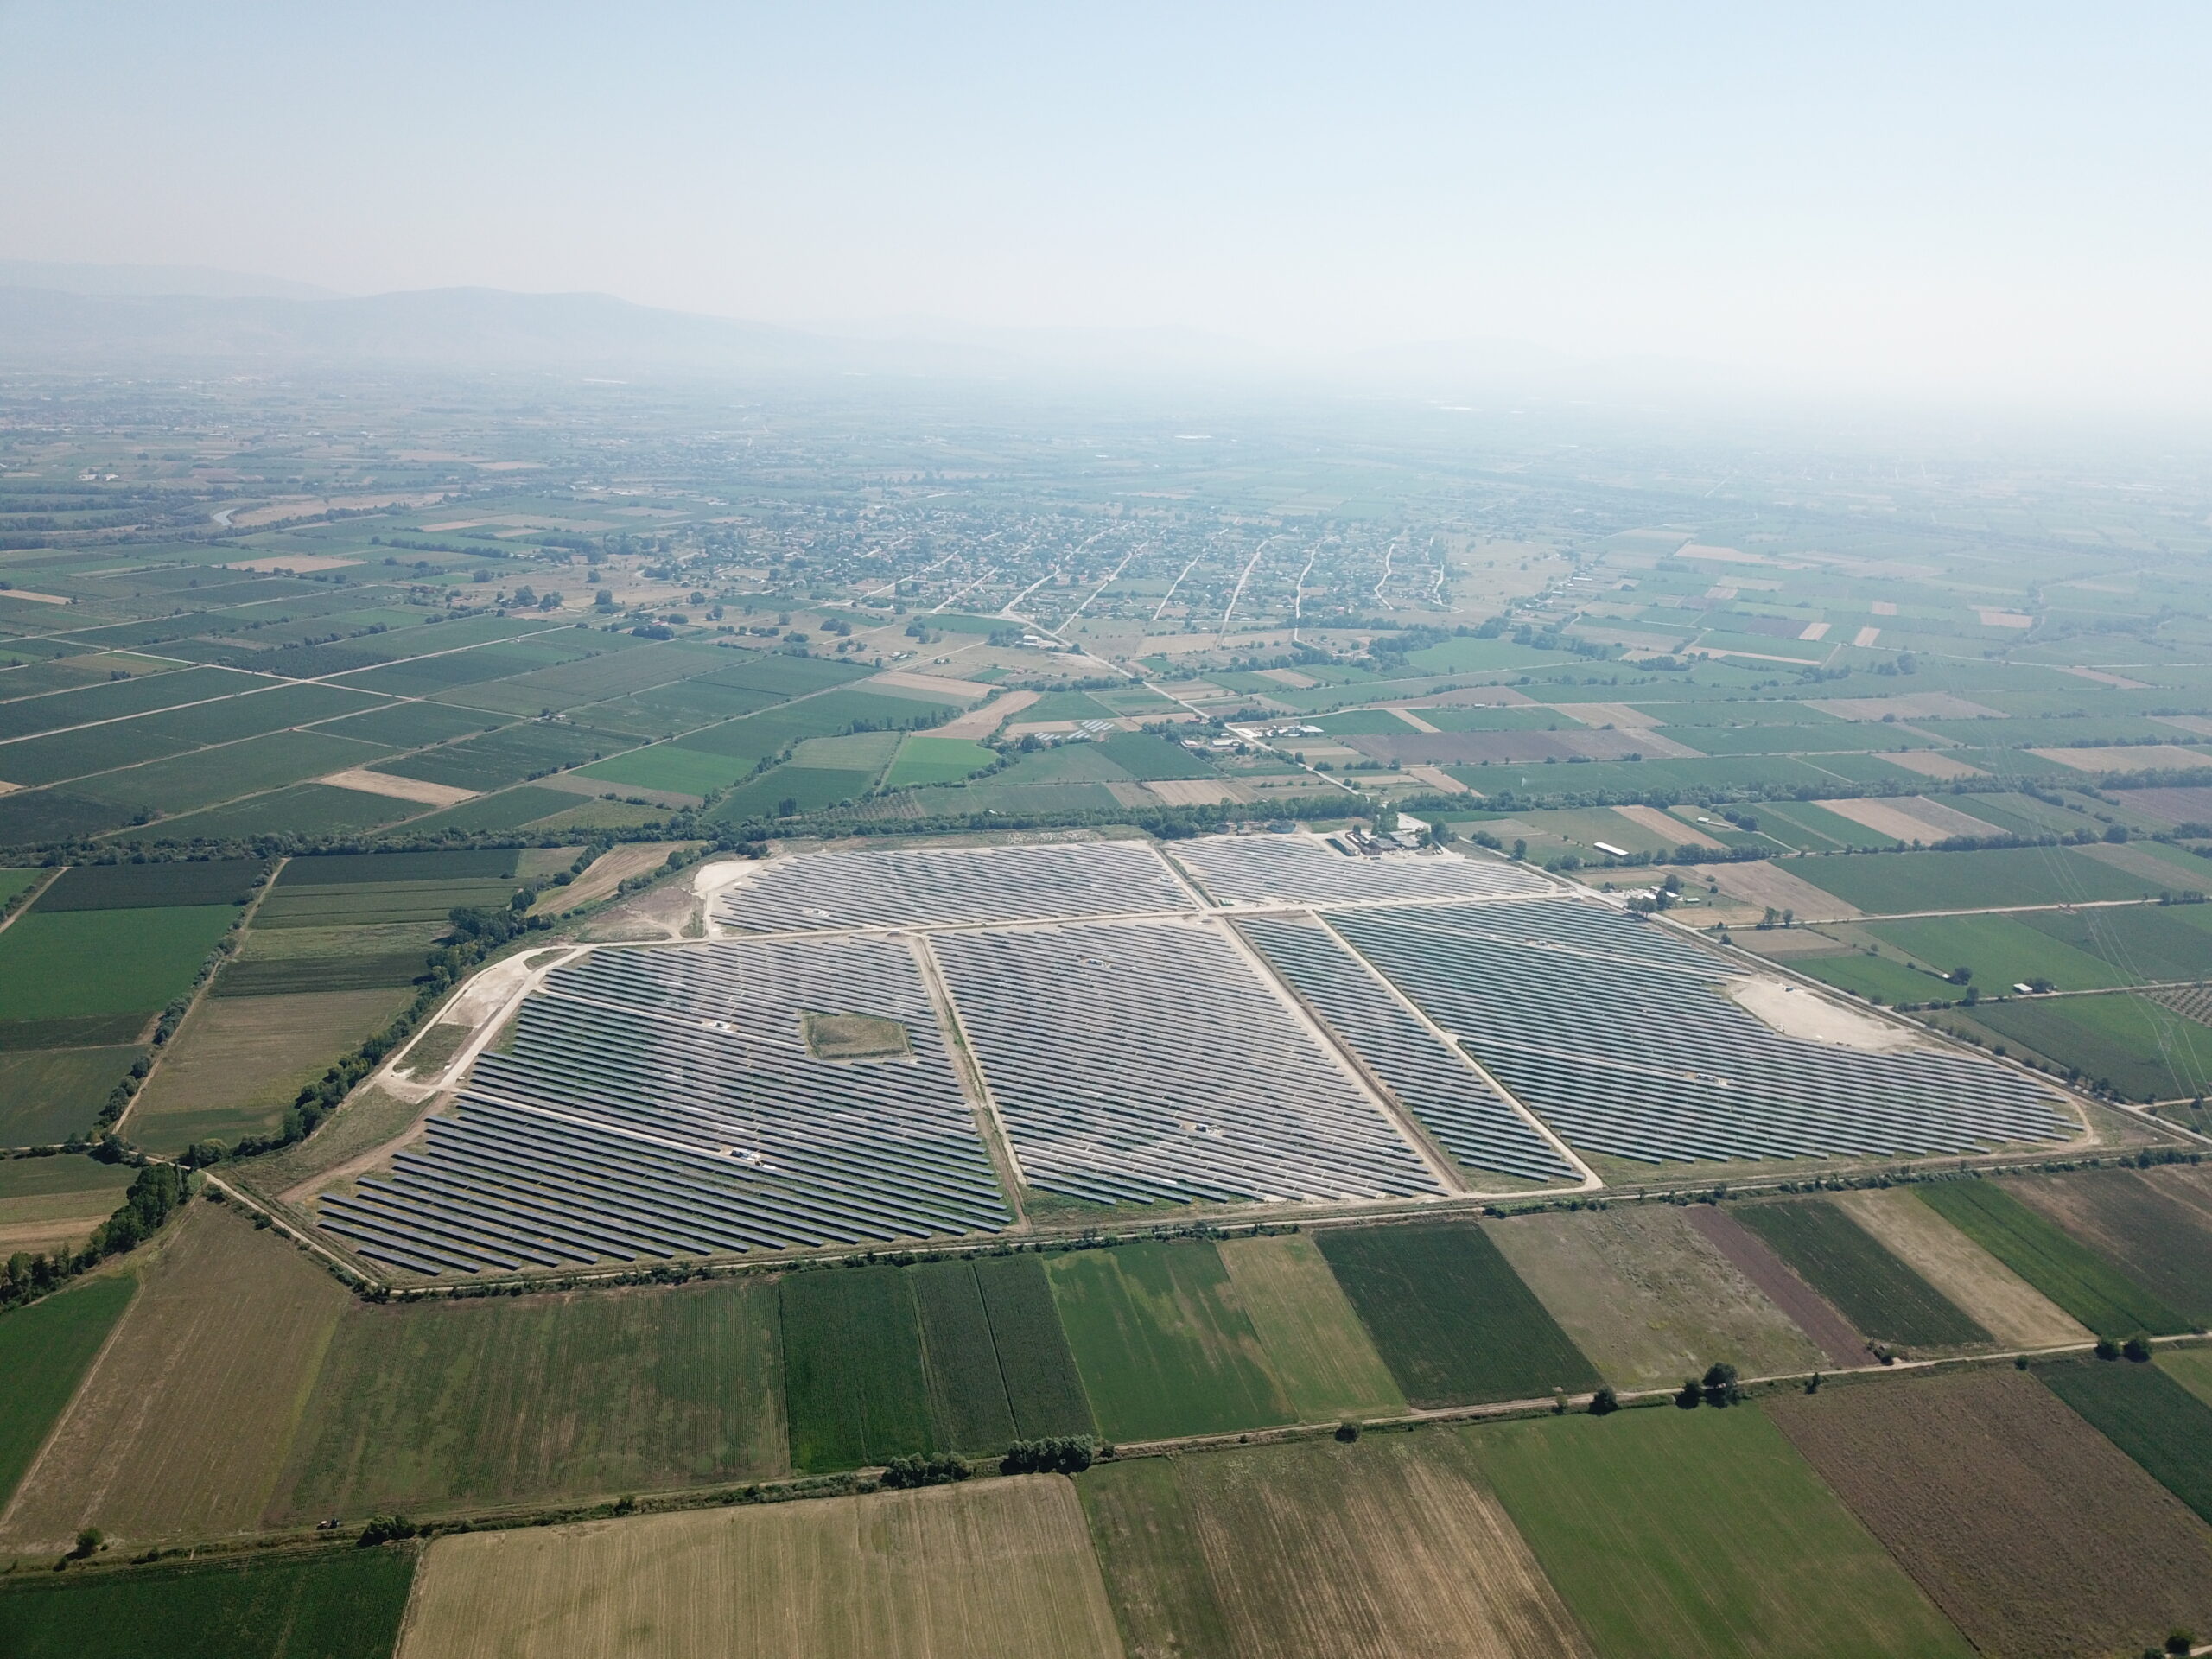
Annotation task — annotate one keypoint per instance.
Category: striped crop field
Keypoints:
(667, 1103)
(1143, 1062)
(820, 891)
(1618, 1034)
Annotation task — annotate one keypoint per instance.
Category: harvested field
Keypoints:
(2011, 1309)
(397, 788)
(2154, 1237)
(1387, 1547)
(340, 1603)
(2191, 1367)
(45, 1350)
(181, 1428)
(2147, 1414)
(1163, 1342)
(1812, 1314)
(1764, 886)
(2034, 1533)
(1648, 1296)
(1909, 818)
(607, 873)
(1874, 1289)
(239, 1062)
(426, 1408)
(1313, 1341)
(2059, 1265)
(999, 1569)
(1451, 1319)
(1677, 1534)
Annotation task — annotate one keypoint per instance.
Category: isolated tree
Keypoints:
(1691, 1396)
(1720, 1388)
(1348, 1431)
(2137, 1349)
(1604, 1402)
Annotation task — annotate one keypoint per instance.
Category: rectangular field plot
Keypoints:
(1449, 1098)
(422, 1407)
(1304, 869)
(665, 1102)
(1876, 1290)
(1146, 1062)
(343, 1603)
(1388, 1547)
(1451, 1319)
(2147, 1414)
(820, 891)
(1619, 1035)
(2034, 1533)
(1681, 1534)
(994, 1569)
(45, 1350)
(2093, 1289)
(2146, 1228)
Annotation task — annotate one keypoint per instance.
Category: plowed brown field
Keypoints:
(2037, 1534)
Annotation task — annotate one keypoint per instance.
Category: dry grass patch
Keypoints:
(2011, 1309)
(1000, 1569)
(1313, 1340)
(1392, 1546)
(605, 874)
(1648, 1298)
(181, 1428)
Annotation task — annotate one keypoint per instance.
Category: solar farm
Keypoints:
(897, 1045)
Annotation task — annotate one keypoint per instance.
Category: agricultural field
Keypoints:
(335, 1604)
(1877, 1290)
(856, 1388)
(1648, 1298)
(1163, 1342)
(2119, 1039)
(45, 1350)
(1982, 1484)
(1896, 884)
(998, 1569)
(54, 1202)
(1313, 1341)
(1679, 1535)
(1387, 1547)
(2156, 1238)
(2087, 1285)
(1450, 1317)
(2013, 1312)
(181, 1430)
(424, 1408)
(2147, 1414)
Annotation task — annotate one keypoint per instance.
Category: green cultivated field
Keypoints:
(1876, 1290)
(2147, 1414)
(336, 1604)
(1450, 1317)
(1879, 979)
(1681, 1534)
(781, 792)
(854, 1388)
(48, 1093)
(1898, 883)
(185, 782)
(2191, 1367)
(134, 887)
(968, 1409)
(1035, 1365)
(685, 771)
(83, 962)
(2149, 1234)
(1163, 1345)
(2069, 1272)
(514, 1400)
(1313, 1341)
(937, 760)
(2145, 942)
(2139, 1048)
(2003, 952)
(45, 1350)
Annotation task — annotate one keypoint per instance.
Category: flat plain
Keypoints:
(1980, 1485)
(998, 1569)
(2154, 1236)
(2146, 1413)
(423, 1408)
(1451, 1319)
(1163, 1342)
(2013, 1311)
(45, 1350)
(1648, 1298)
(340, 1604)
(2087, 1285)
(854, 1385)
(1387, 1547)
(1877, 1290)
(1314, 1343)
(1677, 1534)
(182, 1427)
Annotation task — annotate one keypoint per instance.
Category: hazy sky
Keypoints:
(1989, 197)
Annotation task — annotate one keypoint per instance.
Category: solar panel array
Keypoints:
(1299, 870)
(1615, 1032)
(664, 1102)
(910, 886)
(1148, 1061)
(1445, 1095)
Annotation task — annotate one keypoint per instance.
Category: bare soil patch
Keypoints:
(2037, 1535)
(1197, 791)
(2127, 757)
(1768, 885)
(398, 789)
(1919, 705)
(982, 722)
(1912, 817)
(1812, 1314)
(1809, 1017)
(900, 679)
(1660, 822)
